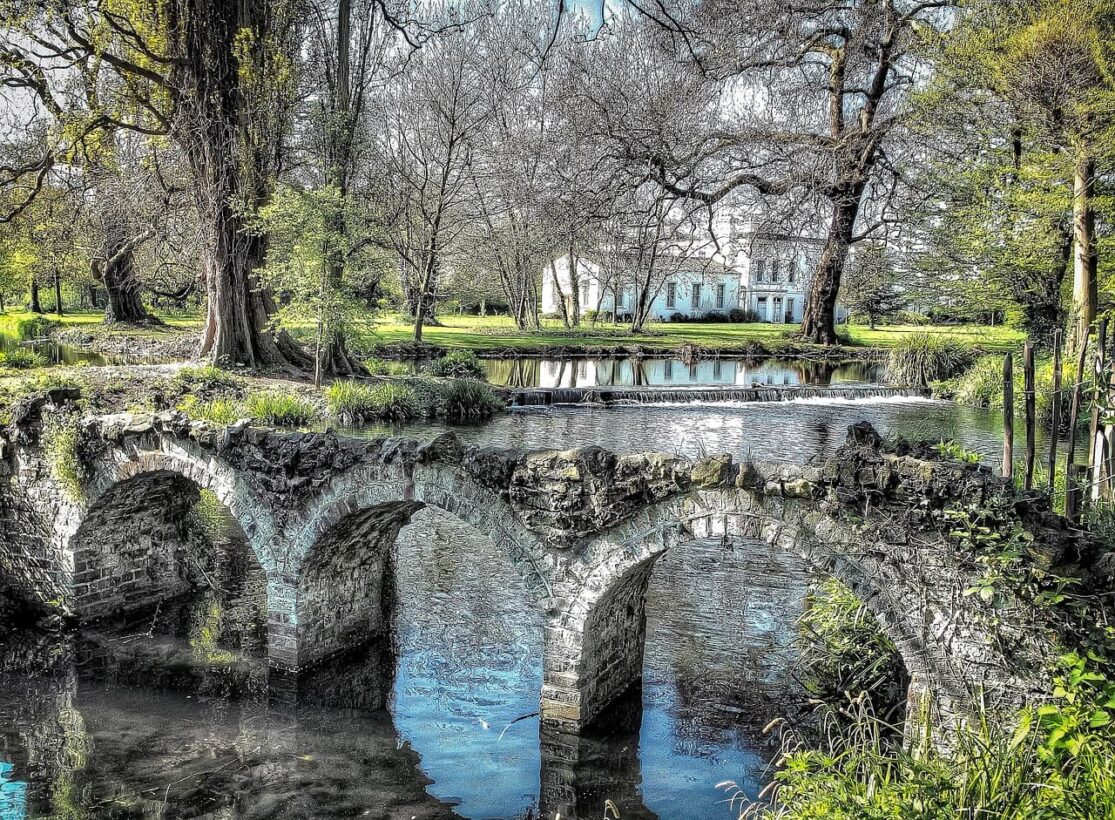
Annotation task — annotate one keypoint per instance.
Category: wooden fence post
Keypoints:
(1055, 425)
(1031, 414)
(1099, 391)
(1072, 505)
(1008, 416)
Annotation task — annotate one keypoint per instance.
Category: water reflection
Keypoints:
(666, 372)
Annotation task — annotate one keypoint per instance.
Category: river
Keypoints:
(175, 715)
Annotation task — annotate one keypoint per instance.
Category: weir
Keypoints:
(543, 396)
(583, 527)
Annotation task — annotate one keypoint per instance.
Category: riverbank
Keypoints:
(497, 337)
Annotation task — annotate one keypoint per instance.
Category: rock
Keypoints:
(715, 471)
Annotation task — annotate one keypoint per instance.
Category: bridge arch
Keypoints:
(595, 639)
(341, 554)
(129, 542)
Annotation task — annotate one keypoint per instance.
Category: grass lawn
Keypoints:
(498, 333)
(493, 333)
(94, 319)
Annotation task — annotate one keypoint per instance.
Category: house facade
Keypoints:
(764, 272)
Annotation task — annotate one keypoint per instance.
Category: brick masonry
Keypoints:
(584, 527)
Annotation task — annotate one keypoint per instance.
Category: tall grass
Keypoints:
(466, 400)
(21, 358)
(280, 408)
(982, 386)
(218, 411)
(924, 358)
(206, 377)
(354, 402)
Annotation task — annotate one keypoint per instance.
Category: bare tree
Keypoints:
(428, 122)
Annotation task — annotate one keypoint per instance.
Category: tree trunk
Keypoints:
(117, 273)
(58, 294)
(36, 305)
(574, 290)
(1085, 294)
(818, 321)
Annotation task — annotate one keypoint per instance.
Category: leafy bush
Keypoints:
(471, 401)
(923, 358)
(743, 316)
(280, 409)
(218, 411)
(955, 452)
(21, 358)
(1055, 762)
(458, 364)
(982, 386)
(353, 402)
(36, 327)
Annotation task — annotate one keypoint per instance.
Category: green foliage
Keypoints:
(923, 358)
(467, 400)
(845, 653)
(458, 364)
(982, 386)
(383, 367)
(60, 440)
(954, 452)
(353, 402)
(35, 327)
(207, 378)
(280, 408)
(218, 411)
(21, 358)
(1057, 762)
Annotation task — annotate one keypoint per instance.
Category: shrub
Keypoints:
(743, 316)
(35, 327)
(923, 358)
(459, 364)
(471, 401)
(20, 358)
(678, 317)
(218, 411)
(353, 402)
(280, 409)
(982, 386)
(715, 317)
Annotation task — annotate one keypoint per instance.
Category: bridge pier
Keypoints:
(594, 651)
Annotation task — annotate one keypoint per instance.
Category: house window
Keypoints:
(760, 271)
(761, 308)
(720, 294)
(789, 309)
(774, 271)
(671, 295)
(696, 297)
(584, 291)
(792, 273)
(621, 298)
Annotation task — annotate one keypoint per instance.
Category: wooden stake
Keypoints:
(1008, 416)
(1055, 423)
(1072, 492)
(1071, 512)
(1031, 414)
(1099, 390)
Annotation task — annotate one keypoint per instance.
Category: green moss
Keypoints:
(60, 440)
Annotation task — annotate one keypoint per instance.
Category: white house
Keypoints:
(765, 272)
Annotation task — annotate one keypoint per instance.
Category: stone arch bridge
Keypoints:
(104, 530)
